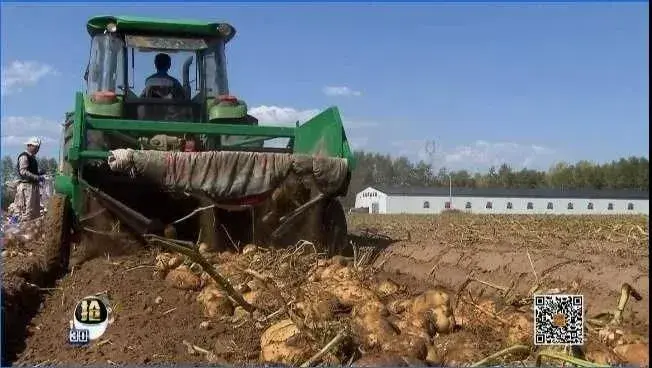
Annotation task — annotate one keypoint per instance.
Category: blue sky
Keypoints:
(528, 84)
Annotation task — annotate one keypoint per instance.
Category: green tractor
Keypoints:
(191, 161)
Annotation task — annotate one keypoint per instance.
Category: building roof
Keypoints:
(514, 193)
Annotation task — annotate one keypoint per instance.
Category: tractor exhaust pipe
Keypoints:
(186, 77)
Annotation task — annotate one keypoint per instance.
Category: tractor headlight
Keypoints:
(111, 27)
(224, 29)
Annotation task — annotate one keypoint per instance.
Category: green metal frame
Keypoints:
(322, 135)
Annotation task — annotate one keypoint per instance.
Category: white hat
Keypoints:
(34, 141)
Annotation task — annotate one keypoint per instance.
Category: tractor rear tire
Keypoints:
(58, 228)
(334, 229)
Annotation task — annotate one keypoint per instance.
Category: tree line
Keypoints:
(377, 169)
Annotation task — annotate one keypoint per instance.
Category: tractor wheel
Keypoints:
(58, 227)
(334, 229)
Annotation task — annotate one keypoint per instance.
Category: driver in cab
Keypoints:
(161, 84)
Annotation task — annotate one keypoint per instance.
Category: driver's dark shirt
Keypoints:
(162, 79)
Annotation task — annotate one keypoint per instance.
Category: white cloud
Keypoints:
(21, 74)
(340, 91)
(480, 155)
(276, 115)
(17, 129)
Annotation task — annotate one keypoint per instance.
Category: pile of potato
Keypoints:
(333, 291)
(386, 324)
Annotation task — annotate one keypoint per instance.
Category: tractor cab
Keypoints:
(125, 147)
(122, 57)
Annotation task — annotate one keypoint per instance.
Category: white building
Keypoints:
(503, 201)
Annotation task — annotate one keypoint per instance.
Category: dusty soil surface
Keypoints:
(155, 321)
(593, 256)
(31, 261)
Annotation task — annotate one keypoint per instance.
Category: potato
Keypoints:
(280, 343)
(162, 260)
(249, 248)
(252, 297)
(240, 314)
(373, 330)
(408, 346)
(410, 327)
(442, 320)
(370, 307)
(430, 310)
(433, 357)
(610, 334)
(429, 300)
(317, 304)
(182, 278)
(175, 261)
(344, 273)
(328, 272)
(387, 287)
(322, 263)
(351, 292)
(215, 303)
(205, 248)
(637, 354)
(521, 329)
(371, 326)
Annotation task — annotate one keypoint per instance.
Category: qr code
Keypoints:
(558, 320)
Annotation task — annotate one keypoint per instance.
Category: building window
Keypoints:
(509, 205)
(447, 205)
(489, 205)
(530, 206)
(590, 206)
(610, 206)
(570, 205)
(630, 206)
(549, 205)
(468, 205)
(426, 204)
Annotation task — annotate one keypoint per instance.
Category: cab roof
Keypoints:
(176, 27)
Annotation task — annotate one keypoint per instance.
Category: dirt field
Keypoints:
(158, 318)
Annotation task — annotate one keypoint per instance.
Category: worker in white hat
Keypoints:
(28, 196)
